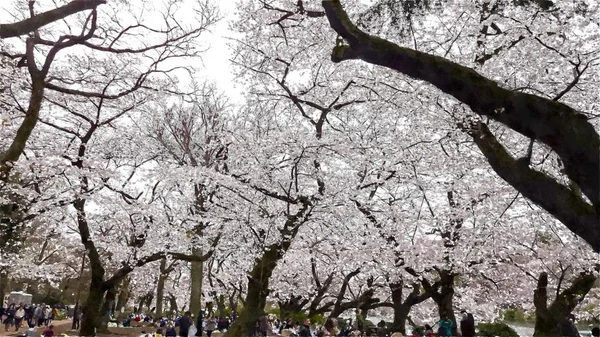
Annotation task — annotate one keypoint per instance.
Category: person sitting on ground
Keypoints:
(171, 332)
(49, 332)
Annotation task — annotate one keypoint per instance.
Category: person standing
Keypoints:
(304, 330)
(211, 324)
(445, 327)
(10, 317)
(185, 323)
(19, 314)
(199, 323)
(467, 324)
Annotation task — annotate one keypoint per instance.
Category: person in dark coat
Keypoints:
(467, 324)
(171, 332)
(567, 327)
(304, 330)
(199, 322)
(10, 316)
(596, 332)
(185, 323)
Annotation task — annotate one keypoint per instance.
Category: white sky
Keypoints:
(216, 61)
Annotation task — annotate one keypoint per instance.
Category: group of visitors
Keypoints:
(166, 327)
(15, 316)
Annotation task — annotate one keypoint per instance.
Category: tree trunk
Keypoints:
(220, 299)
(401, 310)
(124, 294)
(93, 304)
(258, 290)
(173, 303)
(444, 298)
(160, 289)
(148, 300)
(3, 283)
(548, 318)
(78, 296)
(196, 274)
(233, 304)
(291, 308)
(107, 304)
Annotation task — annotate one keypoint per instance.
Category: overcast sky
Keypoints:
(217, 59)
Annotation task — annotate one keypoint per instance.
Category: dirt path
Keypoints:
(64, 327)
(59, 328)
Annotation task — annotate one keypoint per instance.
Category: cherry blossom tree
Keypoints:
(559, 126)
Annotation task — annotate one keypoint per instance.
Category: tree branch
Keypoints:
(29, 25)
(557, 125)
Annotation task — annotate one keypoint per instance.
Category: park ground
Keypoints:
(64, 327)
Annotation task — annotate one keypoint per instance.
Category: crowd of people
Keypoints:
(14, 316)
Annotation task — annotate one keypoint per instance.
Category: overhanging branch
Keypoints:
(29, 25)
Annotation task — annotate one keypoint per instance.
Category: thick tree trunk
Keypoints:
(444, 298)
(258, 290)
(401, 310)
(93, 304)
(160, 289)
(548, 318)
(197, 275)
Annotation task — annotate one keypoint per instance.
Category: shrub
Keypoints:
(496, 330)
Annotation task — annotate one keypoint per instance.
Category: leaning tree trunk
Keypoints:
(258, 290)
(548, 318)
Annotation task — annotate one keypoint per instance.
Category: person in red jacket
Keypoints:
(49, 332)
